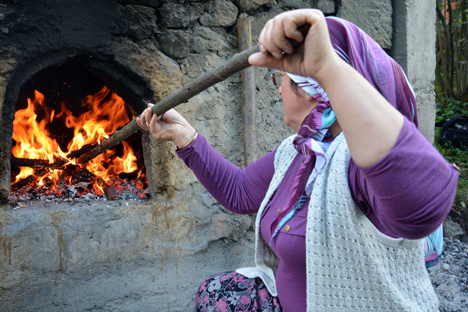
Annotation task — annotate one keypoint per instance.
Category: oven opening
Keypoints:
(62, 112)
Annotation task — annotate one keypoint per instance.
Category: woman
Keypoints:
(342, 206)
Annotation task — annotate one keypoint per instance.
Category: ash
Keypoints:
(450, 276)
(82, 191)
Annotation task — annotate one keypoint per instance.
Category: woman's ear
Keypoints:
(300, 92)
(308, 97)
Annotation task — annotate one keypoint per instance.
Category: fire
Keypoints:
(104, 114)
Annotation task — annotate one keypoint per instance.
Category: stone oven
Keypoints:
(67, 110)
(149, 250)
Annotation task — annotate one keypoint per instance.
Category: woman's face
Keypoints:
(297, 105)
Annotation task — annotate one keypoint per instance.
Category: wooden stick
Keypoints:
(244, 30)
(26, 162)
(41, 163)
(235, 64)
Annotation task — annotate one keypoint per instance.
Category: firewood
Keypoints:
(37, 175)
(50, 167)
(108, 191)
(26, 162)
(67, 172)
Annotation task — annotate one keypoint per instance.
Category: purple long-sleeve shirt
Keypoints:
(424, 182)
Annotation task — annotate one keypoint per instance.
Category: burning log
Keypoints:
(38, 174)
(108, 191)
(66, 173)
(49, 167)
(26, 162)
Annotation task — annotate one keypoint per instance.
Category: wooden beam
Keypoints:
(249, 107)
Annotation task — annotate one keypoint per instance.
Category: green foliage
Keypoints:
(459, 159)
(451, 86)
(450, 108)
(452, 50)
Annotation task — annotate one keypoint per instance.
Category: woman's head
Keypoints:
(304, 102)
(297, 103)
(360, 51)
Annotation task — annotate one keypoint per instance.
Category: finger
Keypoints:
(293, 33)
(264, 60)
(149, 111)
(142, 120)
(157, 126)
(153, 123)
(261, 38)
(141, 124)
(147, 114)
(272, 38)
(280, 38)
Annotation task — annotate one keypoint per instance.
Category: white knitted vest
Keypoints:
(351, 266)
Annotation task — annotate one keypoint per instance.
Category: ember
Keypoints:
(47, 139)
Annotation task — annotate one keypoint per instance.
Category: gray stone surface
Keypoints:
(217, 40)
(175, 15)
(326, 6)
(138, 22)
(220, 13)
(374, 17)
(175, 43)
(247, 5)
(118, 256)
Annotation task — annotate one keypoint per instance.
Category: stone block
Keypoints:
(176, 15)
(205, 39)
(175, 43)
(297, 4)
(138, 22)
(326, 6)
(220, 13)
(373, 16)
(247, 5)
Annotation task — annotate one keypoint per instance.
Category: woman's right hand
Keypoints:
(171, 126)
(309, 58)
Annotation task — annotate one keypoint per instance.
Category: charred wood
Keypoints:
(26, 162)
(50, 167)
(108, 191)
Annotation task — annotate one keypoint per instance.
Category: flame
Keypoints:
(104, 114)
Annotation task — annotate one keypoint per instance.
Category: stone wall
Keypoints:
(138, 256)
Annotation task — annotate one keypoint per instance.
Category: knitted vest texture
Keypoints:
(351, 266)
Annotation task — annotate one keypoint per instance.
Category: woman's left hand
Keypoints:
(171, 126)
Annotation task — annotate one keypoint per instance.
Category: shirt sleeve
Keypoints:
(238, 190)
(410, 191)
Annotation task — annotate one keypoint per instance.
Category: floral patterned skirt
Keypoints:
(232, 292)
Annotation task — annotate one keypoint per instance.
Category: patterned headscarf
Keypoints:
(360, 51)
